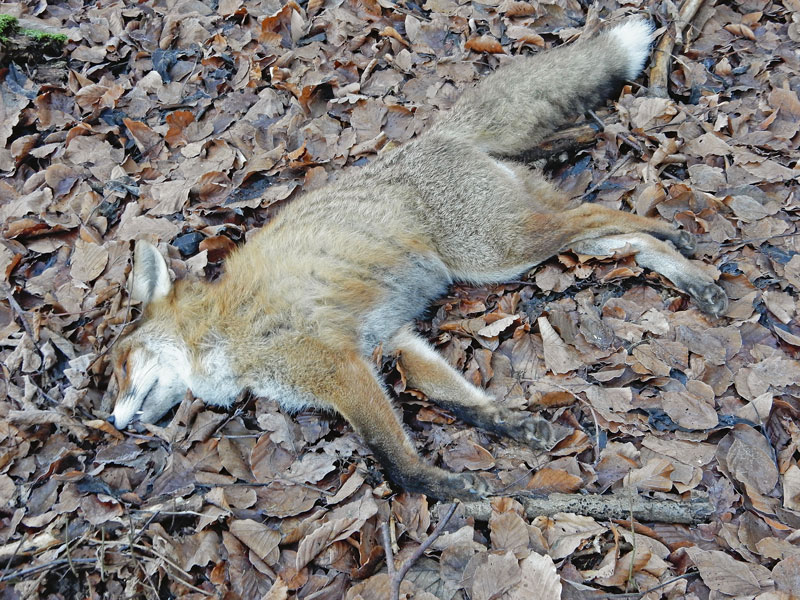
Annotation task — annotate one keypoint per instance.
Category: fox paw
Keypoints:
(710, 298)
(468, 487)
(685, 242)
(444, 485)
(530, 430)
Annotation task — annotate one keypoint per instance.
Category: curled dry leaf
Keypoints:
(558, 357)
(484, 43)
(466, 454)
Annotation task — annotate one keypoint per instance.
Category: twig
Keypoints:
(149, 581)
(134, 558)
(66, 545)
(633, 540)
(387, 549)
(167, 513)
(597, 119)
(659, 67)
(45, 567)
(759, 240)
(125, 545)
(14, 554)
(637, 595)
(607, 176)
(176, 567)
(102, 554)
(143, 527)
(605, 507)
(284, 480)
(21, 315)
(396, 578)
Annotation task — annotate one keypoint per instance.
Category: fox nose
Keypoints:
(112, 420)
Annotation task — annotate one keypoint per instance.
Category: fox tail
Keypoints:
(518, 105)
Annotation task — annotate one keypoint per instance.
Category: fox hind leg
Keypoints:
(429, 373)
(660, 257)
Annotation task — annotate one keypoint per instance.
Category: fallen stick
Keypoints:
(605, 507)
(396, 575)
(659, 67)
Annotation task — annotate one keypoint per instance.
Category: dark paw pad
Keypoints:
(529, 429)
(710, 298)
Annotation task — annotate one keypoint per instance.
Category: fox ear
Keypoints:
(150, 278)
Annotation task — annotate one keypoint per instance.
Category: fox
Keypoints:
(342, 271)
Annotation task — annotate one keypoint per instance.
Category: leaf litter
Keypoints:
(190, 124)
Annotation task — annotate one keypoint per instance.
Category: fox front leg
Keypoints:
(344, 382)
(428, 372)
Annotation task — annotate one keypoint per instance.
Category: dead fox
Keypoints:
(345, 269)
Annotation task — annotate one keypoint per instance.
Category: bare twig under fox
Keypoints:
(346, 268)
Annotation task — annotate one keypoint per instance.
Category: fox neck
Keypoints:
(201, 329)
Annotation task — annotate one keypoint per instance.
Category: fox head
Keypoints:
(151, 364)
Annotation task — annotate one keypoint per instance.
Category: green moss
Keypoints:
(43, 36)
(8, 25)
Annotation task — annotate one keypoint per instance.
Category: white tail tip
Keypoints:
(634, 37)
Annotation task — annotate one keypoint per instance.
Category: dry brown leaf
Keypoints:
(786, 575)
(279, 589)
(509, 533)
(539, 580)
(655, 476)
(466, 454)
(496, 576)
(412, 511)
(741, 30)
(565, 532)
(88, 260)
(484, 43)
(693, 408)
(558, 357)
(548, 480)
(722, 573)
(257, 537)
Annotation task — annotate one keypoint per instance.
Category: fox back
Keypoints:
(343, 270)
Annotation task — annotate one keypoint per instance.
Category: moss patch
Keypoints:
(43, 36)
(9, 26)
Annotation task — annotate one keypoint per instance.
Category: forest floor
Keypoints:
(189, 123)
